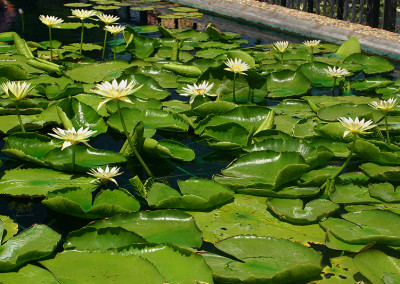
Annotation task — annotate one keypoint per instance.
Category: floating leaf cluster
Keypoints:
(306, 134)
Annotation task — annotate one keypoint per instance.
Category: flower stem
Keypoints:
(282, 59)
(19, 117)
(51, 46)
(387, 130)
(234, 87)
(334, 83)
(83, 26)
(115, 45)
(73, 158)
(328, 185)
(104, 46)
(135, 152)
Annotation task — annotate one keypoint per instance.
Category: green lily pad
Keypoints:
(98, 267)
(334, 243)
(293, 210)
(378, 267)
(77, 5)
(248, 171)
(85, 158)
(213, 107)
(151, 89)
(316, 74)
(163, 226)
(352, 194)
(364, 227)
(371, 84)
(370, 64)
(384, 192)
(250, 213)
(31, 147)
(226, 136)
(38, 182)
(168, 149)
(8, 228)
(332, 113)
(34, 243)
(29, 274)
(76, 202)
(102, 239)
(263, 260)
(295, 84)
(371, 152)
(349, 47)
(381, 173)
(152, 118)
(197, 194)
(93, 73)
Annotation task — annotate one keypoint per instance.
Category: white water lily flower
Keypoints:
(336, 72)
(281, 46)
(83, 14)
(356, 126)
(312, 43)
(115, 91)
(71, 136)
(202, 89)
(114, 29)
(383, 105)
(236, 66)
(105, 175)
(50, 21)
(16, 91)
(107, 19)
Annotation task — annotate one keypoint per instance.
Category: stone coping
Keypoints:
(306, 24)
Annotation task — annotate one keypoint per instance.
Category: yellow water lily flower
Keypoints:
(105, 175)
(114, 29)
(236, 66)
(356, 126)
(108, 19)
(281, 46)
(336, 72)
(71, 136)
(115, 91)
(16, 91)
(83, 14)
(311, 43)
(383, 105)
(50, 21)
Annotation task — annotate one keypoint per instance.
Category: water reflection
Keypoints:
(8, 14)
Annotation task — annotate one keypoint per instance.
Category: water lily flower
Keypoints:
(50, 21)
(83, 14)
(336, 72)
(72, 137)
(383, 105)
(105, 175)
(236, 66)
(108, 19)
(311, 43)
(202, 89)
(356, 126)
(16, 91)
(114, 29)
(115, 91)
(281, 46)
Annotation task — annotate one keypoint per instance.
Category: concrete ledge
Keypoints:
(311, 25)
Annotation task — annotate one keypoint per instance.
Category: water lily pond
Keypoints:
(183, 155)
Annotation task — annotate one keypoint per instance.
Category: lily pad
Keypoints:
(293, 210)
(77, 202)
(197, 194)
(29, 274)
(38, 182)
(385, 192)
(34, 243)
(365, 227)
(163, 226)
(248, 171)
(295, 84)
(381, 173)
(263, 260)
(332, 113)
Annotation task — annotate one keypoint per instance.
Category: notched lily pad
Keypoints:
(76, 202)
(263, 260)
(293, 210)
(197, 194)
